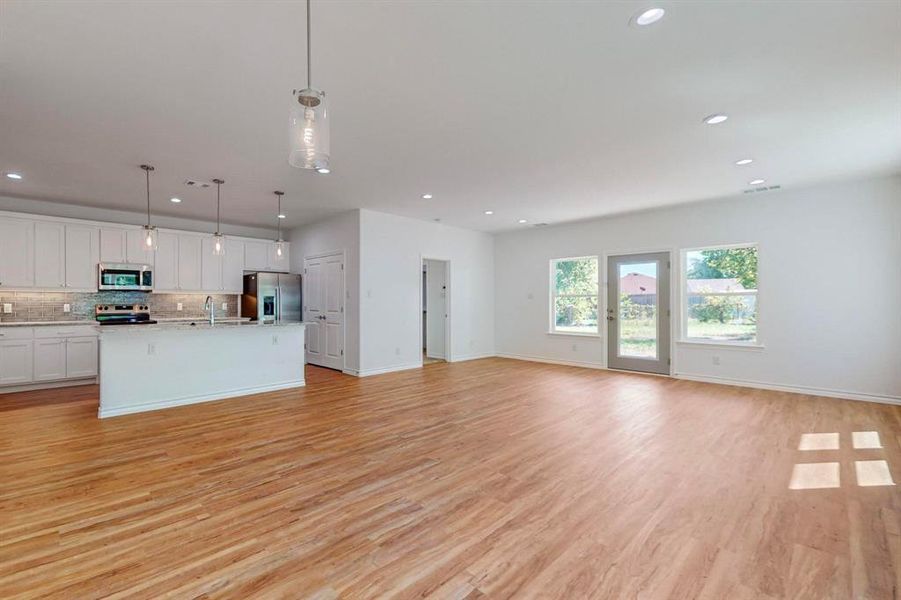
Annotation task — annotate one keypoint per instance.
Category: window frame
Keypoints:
(757, 344)
(552, 297)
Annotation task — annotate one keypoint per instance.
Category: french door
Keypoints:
(638, 312)
(323, 309)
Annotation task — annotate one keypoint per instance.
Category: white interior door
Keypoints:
(436, 309)
(323, 300)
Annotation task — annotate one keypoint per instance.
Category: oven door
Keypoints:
(125, 277)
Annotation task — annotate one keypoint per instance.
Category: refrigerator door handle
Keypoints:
(278, 303)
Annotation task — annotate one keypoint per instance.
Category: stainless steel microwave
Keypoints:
(125, 277)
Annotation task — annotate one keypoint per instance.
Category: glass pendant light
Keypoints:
(308, 130)
(279, 243)
(218, 238)
(149, 233)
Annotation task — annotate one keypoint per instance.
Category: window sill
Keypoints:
(734, 345)
(573, 334)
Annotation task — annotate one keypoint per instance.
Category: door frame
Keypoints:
(447, 305)
(343, 254)
(675, 301)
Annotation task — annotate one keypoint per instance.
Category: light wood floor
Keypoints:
(491, 478)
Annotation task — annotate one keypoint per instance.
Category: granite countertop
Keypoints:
(194, 326)
(46, 323)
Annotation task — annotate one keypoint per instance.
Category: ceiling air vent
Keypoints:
(196, 183)
(763, 188)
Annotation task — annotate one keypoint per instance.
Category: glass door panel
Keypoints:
(638, 310)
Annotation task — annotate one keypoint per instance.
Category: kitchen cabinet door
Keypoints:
(16, 253)
(189, 259)
(276, 262)
(81, 357)
(49, 255)
(82, 256)
(165, 268)
(233, 267)
(16, 362)
(49, 359)
(211, 266)
(256, 256)
(113, 245)
(136, 251)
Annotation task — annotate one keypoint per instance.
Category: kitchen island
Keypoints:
(148, 367)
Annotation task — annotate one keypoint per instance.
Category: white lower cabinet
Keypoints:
(47, 353)
(49, 359)
(81, 357)
(16, 362)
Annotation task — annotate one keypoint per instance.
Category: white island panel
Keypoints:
(148, 367)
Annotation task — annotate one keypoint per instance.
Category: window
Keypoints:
(720, 294)
(574, 295)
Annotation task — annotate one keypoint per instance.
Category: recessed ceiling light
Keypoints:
(175, 200)
(14, 176)
(282, 216)
(521, 221)
(489, 212)
(756, 181)
(651, 15)
(714, 119)
(426, 196)
(323, 170)
(744, 161)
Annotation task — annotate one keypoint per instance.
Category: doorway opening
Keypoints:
(435, 310)
(638, 312)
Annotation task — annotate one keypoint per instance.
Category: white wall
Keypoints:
(391, 253)
(341, 232)
(830, 285)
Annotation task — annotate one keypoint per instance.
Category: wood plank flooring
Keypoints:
(491, 478)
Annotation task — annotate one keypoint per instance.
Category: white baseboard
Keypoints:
(383, 370)
(352, 372)
(137, 408)
(466, 357)
(46, 385)
(552, 361)
(795, 389)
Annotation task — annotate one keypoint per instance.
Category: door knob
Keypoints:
(611, 318)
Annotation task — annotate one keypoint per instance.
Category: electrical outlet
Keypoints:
(8, 308)
(225, 306)
(716, 360)
(178, 306)
(575, 347)
(151, 349)
(397, 351)
(275, 340)
(67, 308)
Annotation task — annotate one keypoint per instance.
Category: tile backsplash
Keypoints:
(48, 306)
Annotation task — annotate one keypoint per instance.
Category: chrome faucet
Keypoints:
(208, 305)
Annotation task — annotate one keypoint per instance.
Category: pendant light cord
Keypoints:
(278, 217)
(218, 183)
(147, 170)
(309, 51)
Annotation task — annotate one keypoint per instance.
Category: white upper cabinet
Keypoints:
(16, 253)
(233, 267)
(189, 263)
(210, 266)
(113, 245)
(256, 256)
(136, 251)
(165, 271)
(82, 256)
(276, 262)
(49, 255)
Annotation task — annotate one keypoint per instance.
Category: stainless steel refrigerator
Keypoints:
(271, 297)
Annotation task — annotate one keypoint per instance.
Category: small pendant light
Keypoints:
(308, 123)
(279, 243)
(218, 238)
(149, 234)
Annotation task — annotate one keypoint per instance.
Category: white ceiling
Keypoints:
(547, 111)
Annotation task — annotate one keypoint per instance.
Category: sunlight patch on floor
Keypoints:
(819, 441)
(872, 473)
(815, 476)
(862, 440)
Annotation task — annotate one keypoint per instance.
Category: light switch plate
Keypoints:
(67, 308)
(178, 306)
(225, 306)
(8, 308)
